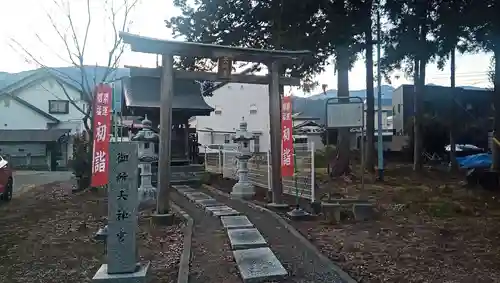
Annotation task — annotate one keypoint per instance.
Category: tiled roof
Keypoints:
(145, 92)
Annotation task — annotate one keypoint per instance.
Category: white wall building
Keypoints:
(232, 103)
(34, 113)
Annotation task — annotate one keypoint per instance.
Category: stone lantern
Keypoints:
(243, 189)
(146, 138)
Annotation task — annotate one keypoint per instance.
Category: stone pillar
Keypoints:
(121, 241)
(244, 188)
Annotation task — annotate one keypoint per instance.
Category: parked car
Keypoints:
(6, 180)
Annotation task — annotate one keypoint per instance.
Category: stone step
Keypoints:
(235, 222)
(193, 196)
(259, 265)
(207, 202)
(245, 238)
(183, 189)
(223, 210)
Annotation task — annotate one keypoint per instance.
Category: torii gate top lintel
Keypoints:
(150, 45)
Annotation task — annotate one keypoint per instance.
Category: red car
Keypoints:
(6, 180)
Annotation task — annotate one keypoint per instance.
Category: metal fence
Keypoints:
(259, 167)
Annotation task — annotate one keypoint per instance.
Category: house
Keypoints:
(307, 129)
(232, 103)
(473, 106)
(34, 113)
(38, 115)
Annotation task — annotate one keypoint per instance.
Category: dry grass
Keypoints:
(429, 228)
(47, 236)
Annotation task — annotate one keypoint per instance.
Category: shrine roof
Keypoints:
(145, 92)
(145, 44)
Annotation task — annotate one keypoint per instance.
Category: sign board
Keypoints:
(122, 207)
(344, 114)
(287, 160)
(102, 133)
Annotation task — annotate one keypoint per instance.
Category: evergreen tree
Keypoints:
(324, 27)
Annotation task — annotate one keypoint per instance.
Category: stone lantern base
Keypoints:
(244, 190)
(146, 194)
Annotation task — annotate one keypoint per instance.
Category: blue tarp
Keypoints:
(482, 160)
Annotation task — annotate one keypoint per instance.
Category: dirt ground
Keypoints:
(47, 236)
(428, 228)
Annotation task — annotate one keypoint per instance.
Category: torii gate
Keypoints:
(225, 56)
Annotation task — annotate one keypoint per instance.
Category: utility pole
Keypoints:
(380, 140)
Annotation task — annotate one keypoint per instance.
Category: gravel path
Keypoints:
(303, 265)
(211, 257)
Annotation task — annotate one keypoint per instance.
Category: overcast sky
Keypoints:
(22, 20)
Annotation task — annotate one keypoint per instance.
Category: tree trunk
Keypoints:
(341, 164)
(496, 104)
(453, 153)
(370, 99)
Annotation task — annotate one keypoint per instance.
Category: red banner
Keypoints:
(287, 168)
(102, 130)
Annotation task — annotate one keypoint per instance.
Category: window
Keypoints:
(218, 110)
(58, 106)
(253, 109)
(226, 138)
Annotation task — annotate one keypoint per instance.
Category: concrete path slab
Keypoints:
(184, 189)
(218, 207)
(245, 238)
(220, 213)
(193, 196)
(258, 265)
(207, 202)
(234, 222)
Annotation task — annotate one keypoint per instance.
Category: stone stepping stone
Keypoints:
(222, 210)
(233, 222)
(183, 189)
(258, 265)
(220, 213)
(180, 186)
(207, 202)
(246, 238)
(197, 196)
(218, 207)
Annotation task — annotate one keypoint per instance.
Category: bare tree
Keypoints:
(66, 27)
